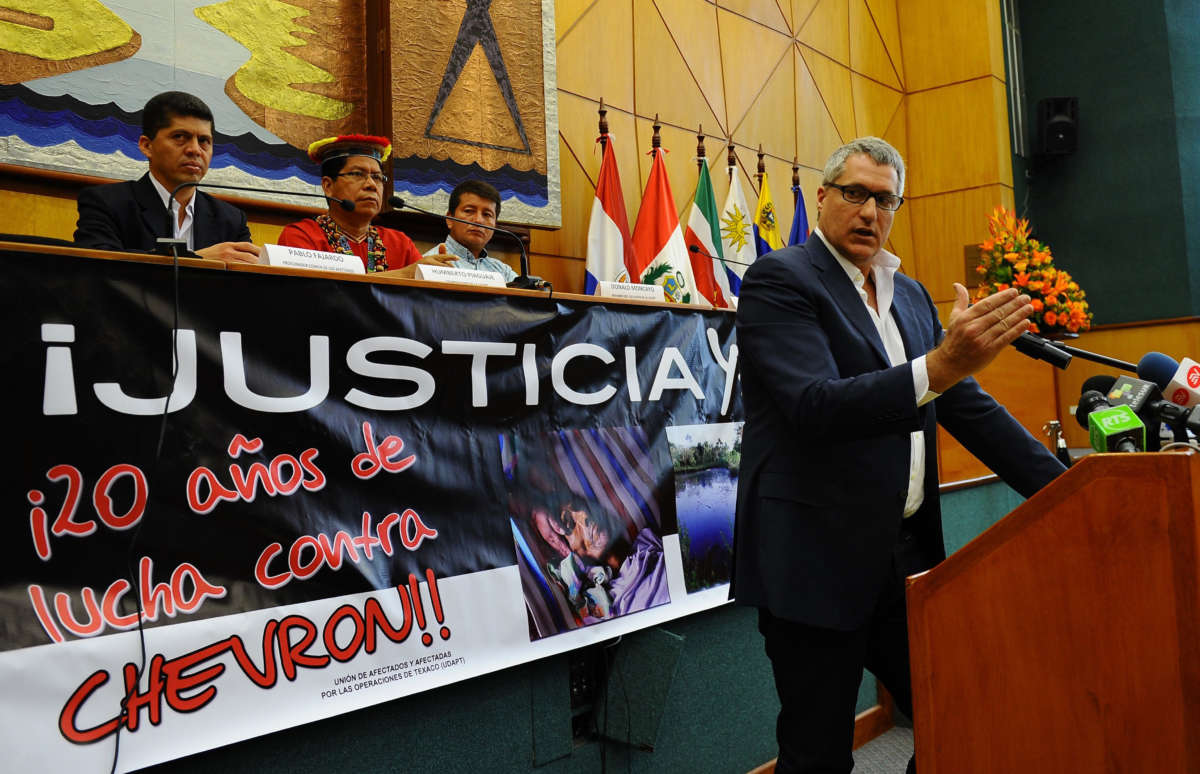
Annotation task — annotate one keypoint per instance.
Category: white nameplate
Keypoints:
(631, 290)
(300, 258)
(433, 273)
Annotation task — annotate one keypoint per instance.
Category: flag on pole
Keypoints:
(610, 256)
(766, 227)
(737, 235)
(658, 241)
(799, 220)
(703, 239)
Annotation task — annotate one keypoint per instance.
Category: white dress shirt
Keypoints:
(884, 270)
(180, 230)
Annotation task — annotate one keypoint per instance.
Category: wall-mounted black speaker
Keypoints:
(1057, 126)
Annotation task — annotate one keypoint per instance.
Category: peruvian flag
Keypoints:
(610, 256)
(703, 239)
(658, 241)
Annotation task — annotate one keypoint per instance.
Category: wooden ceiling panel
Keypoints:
(801, 10)
(827, 29)
(883, 12)
(693, 28)
(816, 133)
(567, 13)
(868, 54)
(603, 34)
(750, 54)
(949, 42)
(771, 120)
(874, 106)
(768, 12)
(834, 86)
(969, 151)
(664, 83)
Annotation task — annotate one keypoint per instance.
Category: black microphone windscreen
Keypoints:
(1101, 383)
(1089, 401)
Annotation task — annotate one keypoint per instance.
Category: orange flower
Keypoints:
(987, 245)
(1051, 318)
(1051, 299)
(1011, 257)
(1021, 266)
(1022, 279)
(1037, 304)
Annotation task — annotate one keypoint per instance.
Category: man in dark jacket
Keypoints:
(177, 139)
(846, 372)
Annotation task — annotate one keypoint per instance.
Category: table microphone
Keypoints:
(524, 281)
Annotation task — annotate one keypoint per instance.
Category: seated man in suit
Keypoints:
(177, 139)
(479, 202)
(846, 373)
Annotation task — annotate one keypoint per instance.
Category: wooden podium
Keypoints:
(1066, 638)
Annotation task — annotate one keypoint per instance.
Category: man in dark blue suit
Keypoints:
(177, 139)
(846, 372)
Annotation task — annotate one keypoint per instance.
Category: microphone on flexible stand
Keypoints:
(1041, 349)
(170, 244)
(524, 281)
(701, 251)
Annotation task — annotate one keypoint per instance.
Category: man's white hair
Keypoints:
(878, 150)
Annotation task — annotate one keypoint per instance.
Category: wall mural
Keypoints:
(485, 107)
(472, 91)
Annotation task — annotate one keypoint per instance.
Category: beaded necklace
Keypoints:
(340, 242)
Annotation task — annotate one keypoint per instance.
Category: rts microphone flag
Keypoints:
(1110, 428)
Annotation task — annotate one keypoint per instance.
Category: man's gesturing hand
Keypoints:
(975, 335)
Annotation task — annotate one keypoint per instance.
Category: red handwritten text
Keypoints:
(103, 504)
(375, 458)
(184, 593)
(186, 683)
(283, 475)
(308, 554)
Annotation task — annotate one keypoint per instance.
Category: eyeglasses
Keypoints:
(361, 177)
(856, 194)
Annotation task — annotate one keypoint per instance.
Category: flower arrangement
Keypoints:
(1011, 259)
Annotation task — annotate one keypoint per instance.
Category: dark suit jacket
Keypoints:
(825, 448)
(130, 216)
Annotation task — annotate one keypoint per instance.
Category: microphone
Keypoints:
(1041, 349)
(701, 251)
(1101, 383)
(524, 281)
(1110, 428)
(1179, 382)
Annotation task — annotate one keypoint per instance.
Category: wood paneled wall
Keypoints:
(798, 77)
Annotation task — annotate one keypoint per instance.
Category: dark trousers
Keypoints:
(818, 672)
